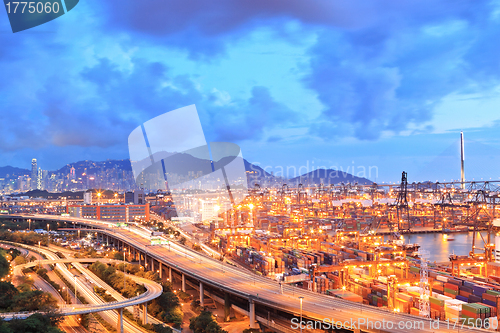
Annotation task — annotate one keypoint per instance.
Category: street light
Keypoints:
(124, 271)
(66, 293)
(301, 298)
(76, 299)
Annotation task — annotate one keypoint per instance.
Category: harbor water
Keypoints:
(439, 248)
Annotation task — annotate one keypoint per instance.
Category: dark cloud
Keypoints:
(391, 75)
(100, 105)
(247, 119)
(204, 28)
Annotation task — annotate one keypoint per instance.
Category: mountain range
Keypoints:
(185, 163)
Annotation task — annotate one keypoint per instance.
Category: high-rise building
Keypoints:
(34, 174)
(136, 197)
(39, 179)
(87, 198)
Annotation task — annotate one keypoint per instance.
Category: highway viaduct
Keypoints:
(258, 297)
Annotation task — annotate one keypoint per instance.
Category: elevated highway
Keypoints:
(257, 295)
(153, 290)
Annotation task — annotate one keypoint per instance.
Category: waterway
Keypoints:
(439, 249)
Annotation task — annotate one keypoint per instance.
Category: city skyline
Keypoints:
(368, 83)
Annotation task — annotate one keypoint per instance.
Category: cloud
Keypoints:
(389, 76)
(247, 119)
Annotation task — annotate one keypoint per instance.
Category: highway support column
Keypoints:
(145, 313)
(119, 323)
(253, 323)
(183, 282)
(202, 295)
(227, 307)
(170, 275)
(160, 268)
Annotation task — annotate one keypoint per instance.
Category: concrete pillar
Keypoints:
(202, 295)
(183, 282)
(161, 270)
(227, 307)
(253, 323)
(145, 313)
(152, 265)
(119, 323)
(170, 275)
(140, 258)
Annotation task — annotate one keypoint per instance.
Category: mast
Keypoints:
(462, 173)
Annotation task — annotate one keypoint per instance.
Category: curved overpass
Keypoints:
(153, 289)
(255, 289)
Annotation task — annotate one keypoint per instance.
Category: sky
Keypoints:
(359, 85)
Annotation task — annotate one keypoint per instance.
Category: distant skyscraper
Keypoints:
(34, 174)
(87, 198)
(39, 179)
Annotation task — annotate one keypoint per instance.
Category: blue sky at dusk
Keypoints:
(318, 83)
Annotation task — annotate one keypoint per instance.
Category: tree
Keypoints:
(106, 274)
(173, 316)
(4, 265)
(153, 276)
(205, 323)
(98, 268)
(36, 323)
(167, 286)
(196, 305)
(183, 240)
(169, 300)
(118, 256)
(7, 294)
(19, 260)
(42, 272)
(160, 328)
(35, 300)
(24, 287)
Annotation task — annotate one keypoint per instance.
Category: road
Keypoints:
(70, 324)
(98, 282)
(263, 290)
(153, 290)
